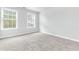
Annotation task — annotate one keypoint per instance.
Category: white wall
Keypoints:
(22, 27)
(62, 21)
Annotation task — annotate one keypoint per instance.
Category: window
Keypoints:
(31, 20)
(8, 19)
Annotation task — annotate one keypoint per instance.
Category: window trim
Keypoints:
(8, 9)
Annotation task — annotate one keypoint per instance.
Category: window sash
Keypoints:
(8, 20)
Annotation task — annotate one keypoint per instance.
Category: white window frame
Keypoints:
(2, 13)
(32, 14)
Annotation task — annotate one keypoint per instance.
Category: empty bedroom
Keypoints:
(39, 28)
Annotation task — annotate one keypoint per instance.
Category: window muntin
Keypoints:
(9, 19)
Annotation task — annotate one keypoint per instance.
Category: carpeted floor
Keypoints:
(38, 42)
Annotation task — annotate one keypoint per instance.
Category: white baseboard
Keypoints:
(62, 36)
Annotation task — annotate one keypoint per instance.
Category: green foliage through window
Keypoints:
(9, 19)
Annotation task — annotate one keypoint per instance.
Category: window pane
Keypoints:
(14, 17)
(5, 16)
(6, 12)
(6, 23)
(10, 23)
(14, 23)
(10, 17)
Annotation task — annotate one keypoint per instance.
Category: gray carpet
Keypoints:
(38, 42)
